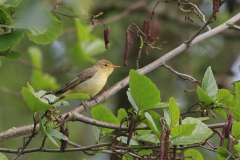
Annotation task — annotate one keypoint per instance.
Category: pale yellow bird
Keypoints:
(90, 81)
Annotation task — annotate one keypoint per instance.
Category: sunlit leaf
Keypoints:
(224, 95)
(12, 55)
(174, 112)
(194, 154)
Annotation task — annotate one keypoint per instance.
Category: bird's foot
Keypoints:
(84, 104)
(95, 99)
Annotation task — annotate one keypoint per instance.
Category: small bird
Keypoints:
(90, 81)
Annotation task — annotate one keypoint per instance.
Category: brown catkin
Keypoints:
(174, 152)
(167, 144)
(149, 28)
(106, 36)
(131, 130)
(162, 145)
(229, 125)
(127, 46)
(64, 143)
(219, 133)
(223, 134)
(230, 142)
(145, 27)
(152, 14)
(216, 5)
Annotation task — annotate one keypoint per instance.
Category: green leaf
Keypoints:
(8, 40)
(100, 113)
(127, 157)
(30, 88)
(221, 157)
(153, 122)
(54, 30)
(142, 132)
(237, 88)
(96, 133)
(148, 138)
(145, 152)
(201, 133)
(121, 115)
(76, 96)
(52, 139)
(174, 112)
(3, 157)
(167, 116)
(132, 142)
(5, 17)
(237, 148)
(12, 55)
(222, 151)
(130, 98)
(194, 154)
(209, 84)
(205, 98)
(12, 3)
(224, 95)
(236, 130)
(40, 80)
(203, 118)
(183, 130)
(56, 133)
(162, 105)
(33, 102)
(79, 55)
(144, 92)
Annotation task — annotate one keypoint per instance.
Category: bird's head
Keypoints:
(106, 66)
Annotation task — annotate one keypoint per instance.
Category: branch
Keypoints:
(27, 129)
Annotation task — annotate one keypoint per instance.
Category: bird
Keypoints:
(90, 81)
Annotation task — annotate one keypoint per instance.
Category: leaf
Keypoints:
(205, 98)
(121, 115)
(236, 130)
(224, 95)
(145, 152)
(201, 133)
(144, 92)
(167, 116)
(194, 154)
(33, 102)
(237, 88)
(130, 98)
(3, 157)
(7, 3)
(152, 125)
(100, 113)
(162, 105)
(76, 96)
(203, 118)
(127, 157)
(8, 40)
(183, 130)
(221, 157)
(142, 132)
(148, 138)
(174, 112)
(96, 133)
(209, 84)
(30, 88)
(52, 139)
(54, 29)
(132, 142)
(4, 17)
(222, 151)
(12, 55)
(56, 133)
(237, 148)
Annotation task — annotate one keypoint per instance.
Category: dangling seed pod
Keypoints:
(229, 126)
(127, 46)
(145, 27)
(152, 14)
(162, 145)
(106, 36)
(64, 143)
(149, 28)
(223, 134)
(216, 5)
(131, 130)
(167, 144)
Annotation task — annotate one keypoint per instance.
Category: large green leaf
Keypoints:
(121, 115)
(236, 130)
(194, 154)
(237, 88)
(209, 84)
(148, 138)
(33, 102)
(167, 116)
(153, 123)
(54, 30)
(183, 130)
(205, 98)
(145, 152)
(201, 133)
(12, 55)
(8, 40)
(144, 92)
(235, 111)
(174, 112)
(3, 157)
(132, 142)
(5, 17)
(100, 113)
(224, 95)
(162, 105)
(7, 3)
(130, 99)
(40, 80)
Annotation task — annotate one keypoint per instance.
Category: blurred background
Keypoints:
(81, 44)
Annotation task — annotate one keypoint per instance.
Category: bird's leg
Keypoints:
(94, 98)
(84, 104)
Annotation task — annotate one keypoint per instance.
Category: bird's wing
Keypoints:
(83, 76)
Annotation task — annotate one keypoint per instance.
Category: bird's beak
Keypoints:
(115, 66)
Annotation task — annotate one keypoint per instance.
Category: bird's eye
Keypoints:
(106, 65)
